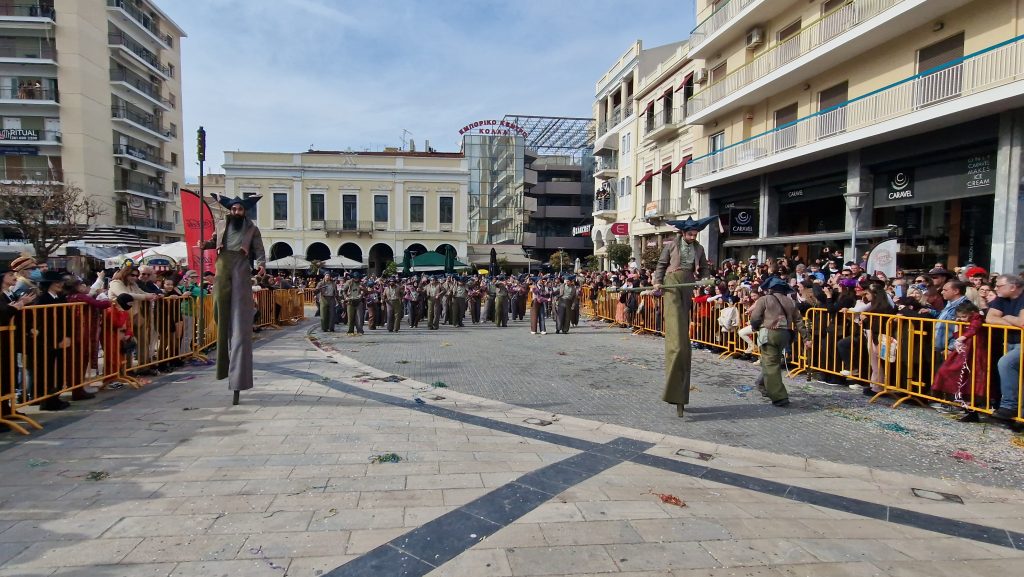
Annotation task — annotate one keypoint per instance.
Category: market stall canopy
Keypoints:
(289, 262)
(480, 255)
(341, 262)
(176, 251)
(433, 261)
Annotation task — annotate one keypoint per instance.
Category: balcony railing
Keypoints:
(983, 70)
(29, 48)
(603, 204)
(118, 39)
(717, 20)
(667, 117)
(144, 222)
(348, 225)
(657, 209)
(28, 93)
(143, 119)
(602, 127)
(33, 173)
(809, 38)
(142, 152)
(606, 163)
(29, 135)
(150, 89)
(27, 11)
(142, 19)
(139, 185)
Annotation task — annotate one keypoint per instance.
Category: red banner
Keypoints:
(193, 212)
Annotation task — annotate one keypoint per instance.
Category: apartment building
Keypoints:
(642, 147)
(89, 96)
(370, 207)
(833, 119)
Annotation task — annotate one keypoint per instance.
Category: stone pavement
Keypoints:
(604, 373)
(173, 481)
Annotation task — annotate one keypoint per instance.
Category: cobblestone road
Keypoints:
(605, 373)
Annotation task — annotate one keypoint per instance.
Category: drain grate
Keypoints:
(937, 496)
(694, 455)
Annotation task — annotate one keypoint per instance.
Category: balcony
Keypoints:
(985, 82)
(340, 226)
(139, 53)
(141, 187)
(147, 123)
(27, 15)
(37, 137)
(657, 210)
(139, 85)
(140, 19)
(28, 95)
(559, 211)
(607, 167)
(730, 19)
(27, 50)
(34, 174)
(821, 45)
(143, 222)
(139, 152)
(530, 177)
(604, 208)
(664, 125)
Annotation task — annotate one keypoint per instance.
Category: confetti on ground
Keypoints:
(332, 512)
(392, 379)
(895, 428)
(386, 458)
(670, 499)
(185, 379)
(446, 344)
(694, 388)
(402, 362)
(966, 457)
(563, 353)
(97, 475)
(439, 385)
(847, 414)
(37, 463)
(263, 557)
(190, 409)
(419, 401)
(1018, 441)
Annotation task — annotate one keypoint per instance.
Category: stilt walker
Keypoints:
(238, 241)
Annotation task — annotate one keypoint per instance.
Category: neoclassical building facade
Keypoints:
(370, 207)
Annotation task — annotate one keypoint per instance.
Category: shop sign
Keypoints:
(493, 128)
(958, 178)
(980, 170)
(18, 134)
(582, 230)
(743, 222)
(901, 185)
(620, 229)
(19, 150)
(651, 209)
(810, 193)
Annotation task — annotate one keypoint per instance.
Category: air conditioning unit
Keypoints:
(160, 179)
(133, 165)
(755, 37)
(700, 75)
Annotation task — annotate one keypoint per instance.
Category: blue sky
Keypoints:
(284, 75)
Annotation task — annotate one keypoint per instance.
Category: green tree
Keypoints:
(503, 266)
(47, 214)
(619, 254)
(591, 262)
(649, 258)
(390, 269)
(561, 261)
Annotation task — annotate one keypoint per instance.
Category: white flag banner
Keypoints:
(883, 258)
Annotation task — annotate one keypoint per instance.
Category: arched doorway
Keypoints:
(441, 248)
(598, 239)
(318, 251)
(351, 250)
(415, 249)
(280, 250)
(380, 255)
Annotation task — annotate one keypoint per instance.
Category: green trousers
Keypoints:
(677, 339)
(772, 350)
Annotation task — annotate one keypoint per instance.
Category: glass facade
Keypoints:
(496, 188)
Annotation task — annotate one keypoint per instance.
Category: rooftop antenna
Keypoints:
(404, 139)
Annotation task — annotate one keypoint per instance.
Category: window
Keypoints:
(716, 142)
(177, 217)
(349, 212)
(280, 206)
(175, 188)
(833, 121)
(174, 159)
(447, 210)
(316, 207)
(629, 186)
(252, 213)
(622, 187)
(173, 129)
(416, 209)
(785, 138)
(380, 208)
(788, 43)
(718, 73)
(938, 85)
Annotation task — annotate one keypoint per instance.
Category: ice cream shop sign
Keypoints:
(494, 128)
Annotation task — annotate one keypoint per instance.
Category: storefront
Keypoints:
(740, 219)
(942, 206)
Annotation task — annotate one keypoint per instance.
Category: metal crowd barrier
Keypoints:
(50, 350)
(896, 356)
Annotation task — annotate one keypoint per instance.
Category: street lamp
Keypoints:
(561, 260)
(855, 204)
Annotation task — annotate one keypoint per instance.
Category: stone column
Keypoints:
(858, 179)
(1008, 218)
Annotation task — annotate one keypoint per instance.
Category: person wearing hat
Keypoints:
(50, 351)
(473, 298)
(118, 337)
(566, 295)
(353, 293)
(11, 307)
(682, 261)
(459, 295)
(412, 296)
(939, 277)
(393, 298)
(238, 241)
(775, 317)
(500, 292)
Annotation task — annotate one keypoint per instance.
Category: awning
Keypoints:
(681, 164)
(607, 141)
(512, 253)
(647, 176)
(650, 105)
(689, 78)
(666, 93)
(663, 168)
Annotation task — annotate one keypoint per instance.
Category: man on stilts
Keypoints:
(238, 241)
(682, 261)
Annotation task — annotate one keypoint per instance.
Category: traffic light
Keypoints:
(201, 144)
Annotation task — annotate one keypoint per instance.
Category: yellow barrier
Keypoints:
(309, 296)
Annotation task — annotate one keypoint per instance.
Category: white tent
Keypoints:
(174, 250)
(341, 262)
(289, 263)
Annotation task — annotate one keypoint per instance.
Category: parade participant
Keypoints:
(682, 261)
(434, 295)
(353, 295)
(412, 296)
(393, 295)
(372, 304)
(566, 297)
(237, 241)
(500, 292)
(538, 307)
(513, 297)
(459, 295)
(327, 291)
(474, 302)
(775, 317)
(575, 309)
(524, 293)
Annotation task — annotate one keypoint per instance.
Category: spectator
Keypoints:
(1005, 310)
(970, 357)
(118, 338)
(88, 337)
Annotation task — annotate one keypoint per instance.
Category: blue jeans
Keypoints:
(1009, 377)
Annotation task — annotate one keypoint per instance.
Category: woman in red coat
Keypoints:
(117, 329)
(88, 337)
(969, 363)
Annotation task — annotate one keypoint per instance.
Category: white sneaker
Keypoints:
(543, 332)
(845, 373)
(533, 332)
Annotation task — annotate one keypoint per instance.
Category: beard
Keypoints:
(236, 221)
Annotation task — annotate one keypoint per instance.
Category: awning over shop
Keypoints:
(650, 105)
(681, 164)
(647, 176)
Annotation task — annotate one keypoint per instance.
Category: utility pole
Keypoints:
(201, 153)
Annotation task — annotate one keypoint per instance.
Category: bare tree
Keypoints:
(47, 214)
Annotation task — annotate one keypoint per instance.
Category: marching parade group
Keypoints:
(359, 301)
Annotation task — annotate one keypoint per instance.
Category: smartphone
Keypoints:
(899, 291)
